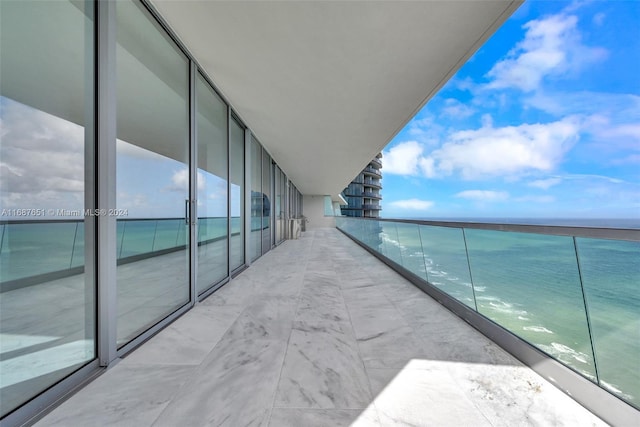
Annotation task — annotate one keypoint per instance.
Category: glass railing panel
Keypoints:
(362, 228)
(530, 285)
(137, 237)
(411, 249)
(610, 276)
(212, 252)
(49, 242)
(120, 228)
(445, 258)
(166, 234)
(212, 229)
(391, 246)
(373, 235)
(77, 257)
(183, 235)
(236, 225)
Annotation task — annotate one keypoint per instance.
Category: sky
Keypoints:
(542, 122)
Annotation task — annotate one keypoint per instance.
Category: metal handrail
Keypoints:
(629, 234)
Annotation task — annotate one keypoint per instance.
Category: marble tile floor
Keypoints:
(318, 332)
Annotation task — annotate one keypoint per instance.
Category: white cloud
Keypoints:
(42, 159)
(483, 195)
(624, 106)
(551, 47)
(412, 204)
(545, 184)
(456, 109)
(180, 181)
(510, 150)
(403, 158)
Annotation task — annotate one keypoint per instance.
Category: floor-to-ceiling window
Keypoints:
(212, 186)
(47, 285)
(152, 172)
(49, 179)
(236, 177)
(266, 201)
(277, 202)
(256, 199)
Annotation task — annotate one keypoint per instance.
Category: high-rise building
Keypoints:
(363, 193)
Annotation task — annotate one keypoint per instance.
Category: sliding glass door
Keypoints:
(211, 136)
(152, 177)
(47, 281)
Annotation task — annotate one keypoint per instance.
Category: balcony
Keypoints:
(371, 207)
(377, 164)
(290, 342)
(372, 183)
(371, 195)
(566, 292)
(369, 171)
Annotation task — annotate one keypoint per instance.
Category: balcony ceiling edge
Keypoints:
(329, 84)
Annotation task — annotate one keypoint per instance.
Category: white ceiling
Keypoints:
(325, 85)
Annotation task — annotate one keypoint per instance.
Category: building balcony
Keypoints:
(371, 195)
(354, 194)
(371, 207)
(372, 184)
(376, 163)
(369, 171)
(290, 342)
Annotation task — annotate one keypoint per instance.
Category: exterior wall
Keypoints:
(314, 212)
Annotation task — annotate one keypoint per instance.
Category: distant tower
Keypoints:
(363, 194)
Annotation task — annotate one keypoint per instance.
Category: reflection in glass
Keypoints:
(236, 176)
(610, 276)
(152, 177)
(256, 199)
(278, 203)
(47, 310)
(266, 201)
(212, 186)
(530, 284)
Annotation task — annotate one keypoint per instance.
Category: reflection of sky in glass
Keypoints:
(42, 167)
(41, 160)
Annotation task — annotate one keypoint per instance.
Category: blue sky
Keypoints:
(542, 122)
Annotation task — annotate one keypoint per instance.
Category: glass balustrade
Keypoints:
(59, 245)
(574, 298)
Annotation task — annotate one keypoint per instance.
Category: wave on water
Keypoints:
(614, 389)
(536, 328)
(567, 354)
(500, 306)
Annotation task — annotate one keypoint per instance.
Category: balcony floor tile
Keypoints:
(317, 332)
